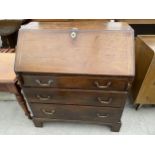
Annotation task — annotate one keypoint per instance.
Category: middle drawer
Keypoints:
(75, 97)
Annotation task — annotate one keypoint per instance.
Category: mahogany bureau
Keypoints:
(76, 71)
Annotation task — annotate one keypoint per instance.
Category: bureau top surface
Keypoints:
(149, 40)
(90, 48)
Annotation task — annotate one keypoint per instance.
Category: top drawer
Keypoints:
(76, 82)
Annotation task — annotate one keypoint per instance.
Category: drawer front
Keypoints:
(73, 97)
(4, 88)
(76, 82)
(73, 112)
(8, 88)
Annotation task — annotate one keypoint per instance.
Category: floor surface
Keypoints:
(13, 121)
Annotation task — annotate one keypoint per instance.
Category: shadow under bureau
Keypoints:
(76, 71)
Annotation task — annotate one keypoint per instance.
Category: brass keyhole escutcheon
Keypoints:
(73, 35)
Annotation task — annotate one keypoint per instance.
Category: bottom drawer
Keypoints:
(73, 112)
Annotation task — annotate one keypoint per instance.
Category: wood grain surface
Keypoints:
(7, 74)
(144, 84)
(98, 49)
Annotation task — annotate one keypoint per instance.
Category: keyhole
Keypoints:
(73, 35)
